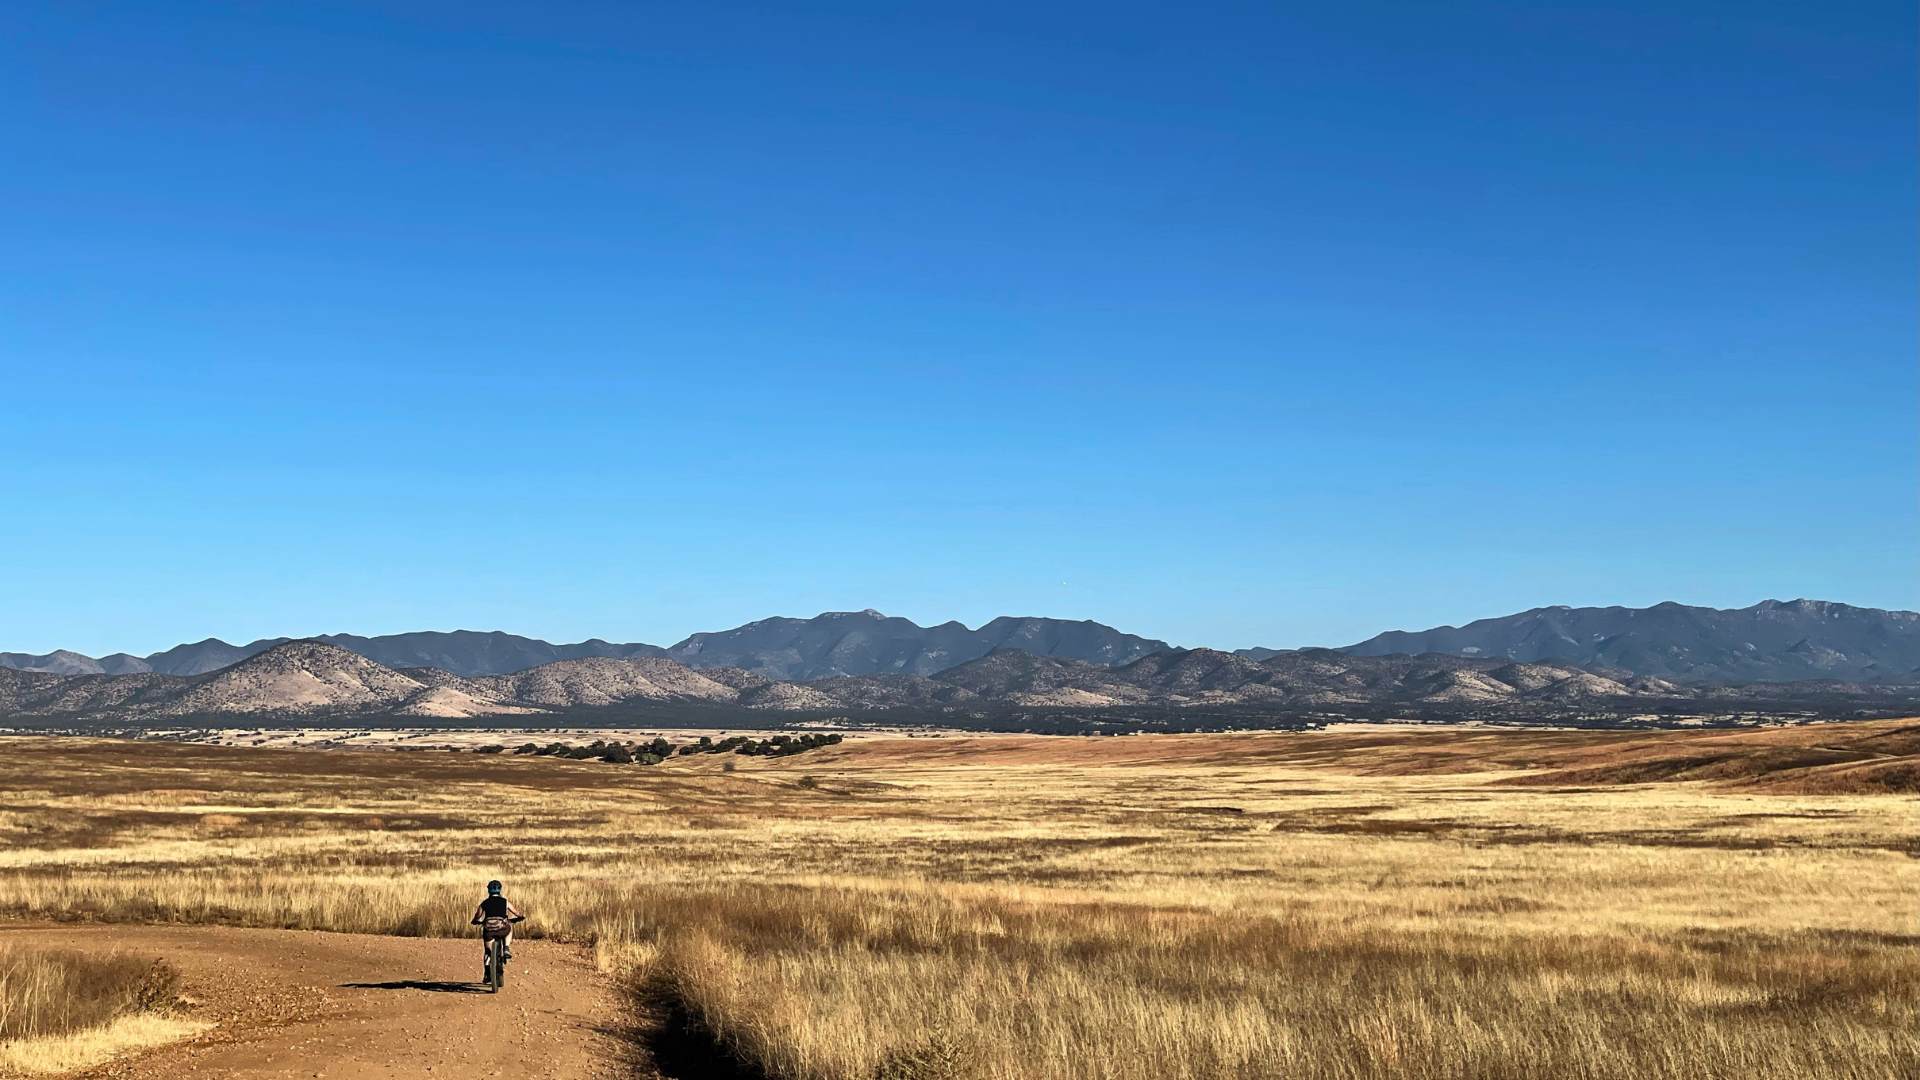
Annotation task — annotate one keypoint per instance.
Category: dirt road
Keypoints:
(294, 1003)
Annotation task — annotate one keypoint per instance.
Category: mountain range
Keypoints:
(314, 679)
(868, 661)
(1772, 641)
(830, 644)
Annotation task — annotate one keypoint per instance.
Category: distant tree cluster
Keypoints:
(774, 746)
(618, 753)
(659, 749)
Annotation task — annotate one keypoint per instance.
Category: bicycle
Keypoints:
(493, 972)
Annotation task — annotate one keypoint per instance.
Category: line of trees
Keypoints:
(773, 746)
(659, 749)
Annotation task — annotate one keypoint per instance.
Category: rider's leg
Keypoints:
(507, 947)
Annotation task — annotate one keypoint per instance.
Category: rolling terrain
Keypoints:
(317, 680)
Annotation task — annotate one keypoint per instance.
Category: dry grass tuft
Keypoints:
(64, 1010)
(54, 992)
(821, 983)
(940, 1056)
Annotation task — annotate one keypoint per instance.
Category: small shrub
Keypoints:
(940, 1057)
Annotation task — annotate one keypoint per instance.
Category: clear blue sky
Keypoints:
(1270, 324)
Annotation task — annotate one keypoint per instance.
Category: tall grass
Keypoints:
(914, 916)
(826, 984)
(55, 992)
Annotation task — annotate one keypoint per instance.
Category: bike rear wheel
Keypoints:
(496, 965)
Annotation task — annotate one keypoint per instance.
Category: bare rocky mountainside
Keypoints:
(316, 680)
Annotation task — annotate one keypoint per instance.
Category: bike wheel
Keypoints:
(496, 977)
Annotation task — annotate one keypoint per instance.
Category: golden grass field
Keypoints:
(1388, 903)
(61, 1009)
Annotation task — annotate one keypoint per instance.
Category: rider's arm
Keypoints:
(513, 912)
(477, 913)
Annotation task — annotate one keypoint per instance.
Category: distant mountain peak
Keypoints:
(1016, 665)
(1772, 641)
(834, 644)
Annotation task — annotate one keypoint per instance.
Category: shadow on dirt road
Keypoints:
(419, 984)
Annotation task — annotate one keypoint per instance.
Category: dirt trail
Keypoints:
(292, 1003)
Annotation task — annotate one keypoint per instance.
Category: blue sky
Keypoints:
(1267, 324)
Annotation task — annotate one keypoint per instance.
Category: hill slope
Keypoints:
(313, 679)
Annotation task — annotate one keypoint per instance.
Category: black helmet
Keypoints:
(493, 888)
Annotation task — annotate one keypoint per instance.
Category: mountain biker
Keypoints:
(496, 906)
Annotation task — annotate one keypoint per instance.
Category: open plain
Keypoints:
(1358, 903)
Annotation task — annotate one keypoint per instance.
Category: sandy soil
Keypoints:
(290, 1003)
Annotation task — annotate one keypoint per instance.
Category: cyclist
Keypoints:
(496, 906)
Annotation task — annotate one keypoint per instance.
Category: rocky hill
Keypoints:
(1021, 678)
(297, 677)
(316, 679)
(605, 681)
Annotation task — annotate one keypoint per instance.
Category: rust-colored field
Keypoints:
(1865, 756)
